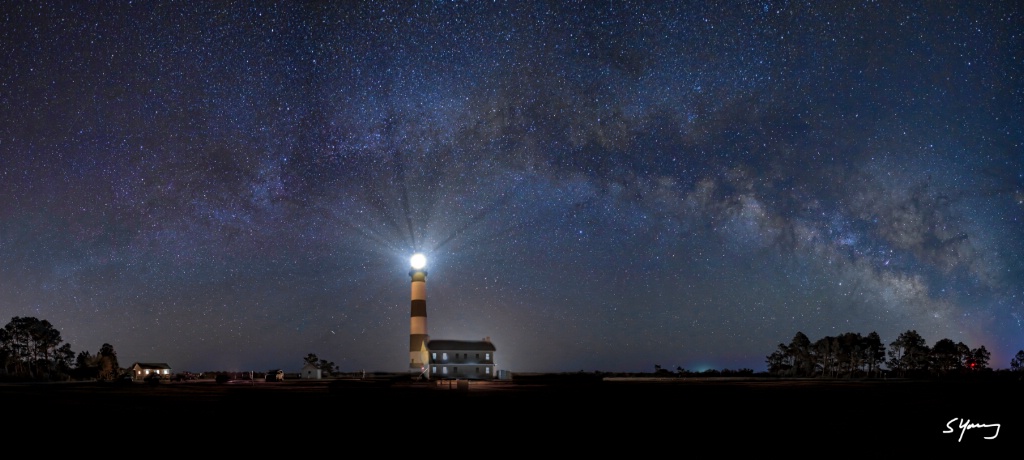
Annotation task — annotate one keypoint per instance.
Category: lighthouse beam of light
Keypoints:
(474, 220)
(429, 204)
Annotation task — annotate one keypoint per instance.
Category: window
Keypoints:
(444, 370)
(487, 356)
(487, 370)
(433, 370)
(478, 356)
(444, 356)
(433, 355)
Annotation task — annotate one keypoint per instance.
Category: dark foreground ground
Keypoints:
(566, 413)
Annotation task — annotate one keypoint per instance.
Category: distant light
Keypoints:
(418, 261)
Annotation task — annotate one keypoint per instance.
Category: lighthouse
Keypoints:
(418, 316)
(446, 359)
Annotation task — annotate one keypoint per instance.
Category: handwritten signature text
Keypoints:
(965, 424)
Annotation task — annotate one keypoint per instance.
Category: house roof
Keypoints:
(461, 345)
(151, 365)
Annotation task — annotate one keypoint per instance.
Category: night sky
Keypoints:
(597, 185)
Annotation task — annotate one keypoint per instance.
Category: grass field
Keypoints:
(566, 411)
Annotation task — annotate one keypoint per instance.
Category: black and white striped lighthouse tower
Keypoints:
(418, 317)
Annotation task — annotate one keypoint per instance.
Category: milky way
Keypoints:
(597, 185)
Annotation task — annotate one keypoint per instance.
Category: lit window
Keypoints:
(433, 370)
(444, 370)
(444, 356)
(487, 370)
(433, 355)
(487, 356)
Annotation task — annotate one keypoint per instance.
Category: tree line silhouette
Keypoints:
(853, 355)
(32, 349)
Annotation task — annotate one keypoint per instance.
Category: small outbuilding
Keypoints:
(310, 371)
